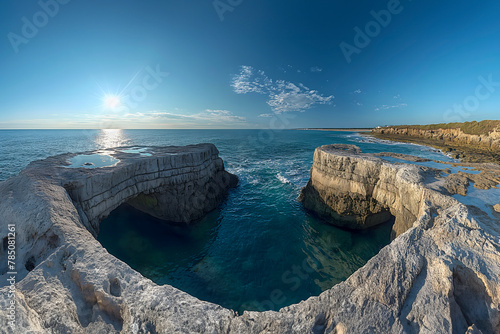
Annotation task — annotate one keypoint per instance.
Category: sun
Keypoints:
(112, 101)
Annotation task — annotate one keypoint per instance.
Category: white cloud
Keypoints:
(386, 107)
(359, 103)
(250, 81)
(357, 91)
(283, 95)
(396, 96)
(220, 116)
(316, 69)
(286, 96)
(266, 115)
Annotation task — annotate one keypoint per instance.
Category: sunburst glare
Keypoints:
(112, 101)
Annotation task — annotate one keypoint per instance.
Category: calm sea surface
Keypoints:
(259, 250)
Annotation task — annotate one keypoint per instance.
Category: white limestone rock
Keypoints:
(440, 275)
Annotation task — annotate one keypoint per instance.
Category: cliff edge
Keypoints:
(440, 275)
(469, 142)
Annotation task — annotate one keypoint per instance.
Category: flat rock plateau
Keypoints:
(440, 274)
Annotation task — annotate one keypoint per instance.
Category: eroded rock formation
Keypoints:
(179, 184)
(460, 145)
(457, 136)
(359, 191)
(440, 276)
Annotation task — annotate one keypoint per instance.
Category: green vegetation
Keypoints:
(471, 128)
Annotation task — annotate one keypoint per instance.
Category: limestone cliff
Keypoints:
(358, 191)
(489, 141)
(440, 276)
(179, 184)
(468, 147)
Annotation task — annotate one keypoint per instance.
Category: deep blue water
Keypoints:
(259, 250)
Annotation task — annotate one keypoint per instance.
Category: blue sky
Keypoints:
(247, 64)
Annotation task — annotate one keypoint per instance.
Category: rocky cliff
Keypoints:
(440, 276)
(179, 184)
(358, 191)
(468, 147)
(457, 136)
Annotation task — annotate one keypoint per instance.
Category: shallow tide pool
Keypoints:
(92, 161)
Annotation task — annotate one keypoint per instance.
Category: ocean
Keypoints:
(259, 250)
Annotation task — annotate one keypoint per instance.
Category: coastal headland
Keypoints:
(469, 141)
(339, 129)
(440, 274)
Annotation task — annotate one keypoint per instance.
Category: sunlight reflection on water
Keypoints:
(111, 138)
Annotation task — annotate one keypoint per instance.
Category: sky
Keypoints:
(247, 64)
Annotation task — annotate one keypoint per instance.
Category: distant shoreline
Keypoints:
(339, 129)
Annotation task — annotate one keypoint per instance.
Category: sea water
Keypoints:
(259, 250)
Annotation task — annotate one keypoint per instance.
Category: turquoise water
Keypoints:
(260, 255)
(137, 150)
(259, 250)
(92, 161)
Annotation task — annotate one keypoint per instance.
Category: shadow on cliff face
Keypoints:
(188, 203)
(474, 301)
(315, 205)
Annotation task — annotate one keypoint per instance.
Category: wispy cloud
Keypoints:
(284, 96)
(251, 81)
(209, 118)
(316, 69)
(386, 107)
(209, 115)
(266, 115)
(357, 91)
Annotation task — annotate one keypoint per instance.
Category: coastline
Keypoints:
(411, 142)
(464, 154)
(486, 178)
(474, 146)
(431, 226)
(338, 129)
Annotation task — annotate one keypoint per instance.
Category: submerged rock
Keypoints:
(457, 184)
(496, 207)
(440, 275)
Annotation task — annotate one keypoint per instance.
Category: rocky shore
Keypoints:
(439, 275)
(455, 142)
